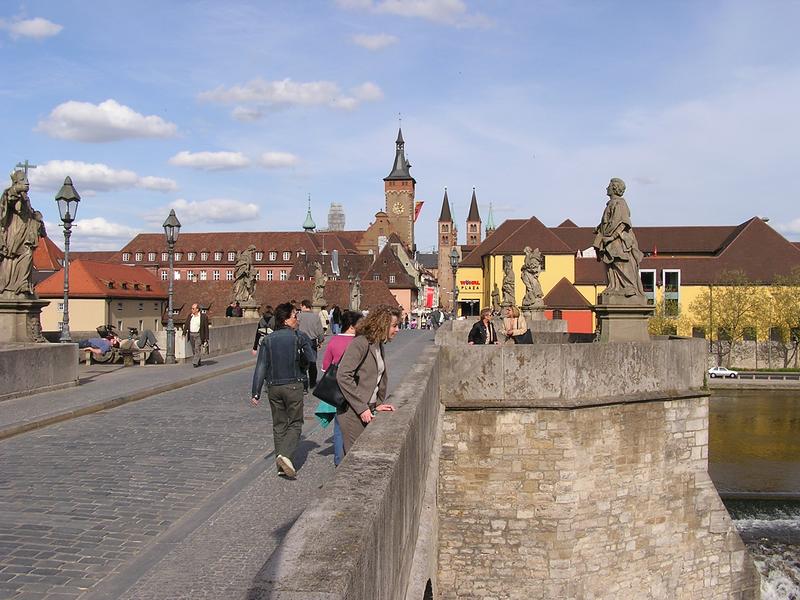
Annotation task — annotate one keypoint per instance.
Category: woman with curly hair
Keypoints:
(362, 373)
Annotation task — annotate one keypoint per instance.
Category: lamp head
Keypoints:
(67, 200)
(172, 227)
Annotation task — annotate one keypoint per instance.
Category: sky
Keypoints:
(233, 112)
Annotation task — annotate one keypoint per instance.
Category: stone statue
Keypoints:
(20, 230)
(616, 246)
(320, 279)
(530, 277)
(508, 280)
(244, 285)
(355, 295)
(495, 300)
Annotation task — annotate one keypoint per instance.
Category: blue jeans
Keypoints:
(336, 329)
(338, 443)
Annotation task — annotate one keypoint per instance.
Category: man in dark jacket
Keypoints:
(483, 332)
(308, 322)
(197, 325)
(278, 364)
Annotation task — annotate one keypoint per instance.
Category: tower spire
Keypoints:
(446, 215)
(401, 167)
(309, 224)
(490, 221)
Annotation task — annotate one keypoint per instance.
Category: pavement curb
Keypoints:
(57, 417)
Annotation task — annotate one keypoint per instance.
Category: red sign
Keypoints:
(428, 297)
(417, 208)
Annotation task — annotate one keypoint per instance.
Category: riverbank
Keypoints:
(753, 384)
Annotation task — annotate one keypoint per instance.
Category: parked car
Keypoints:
(722, 372)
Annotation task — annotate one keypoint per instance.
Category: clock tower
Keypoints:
(399, 188)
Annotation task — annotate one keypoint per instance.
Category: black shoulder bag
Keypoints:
(327, 388)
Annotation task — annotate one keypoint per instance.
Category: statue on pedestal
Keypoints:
(355, 295)
(508, 281)
(244, 285)
(320, 279)
(530, 277)
(20, 230)
(495, 300)
(616, 246)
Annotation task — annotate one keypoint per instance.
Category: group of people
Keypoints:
(511, 328)
(234, 309)
(286, 344)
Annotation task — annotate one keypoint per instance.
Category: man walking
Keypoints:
(309, 323)
(279, 365)
(198, 333)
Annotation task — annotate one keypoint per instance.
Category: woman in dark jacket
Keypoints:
(483, 332)
(362, 373)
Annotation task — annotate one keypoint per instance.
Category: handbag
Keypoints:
(523, 338)
(327, 388)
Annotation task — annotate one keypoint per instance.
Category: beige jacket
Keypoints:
(358, 383)
(518, 324)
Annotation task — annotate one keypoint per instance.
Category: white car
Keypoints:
(722, 372)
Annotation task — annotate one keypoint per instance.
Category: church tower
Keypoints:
(473, 222)
(490, 222)
(448, 237)
(399, 187)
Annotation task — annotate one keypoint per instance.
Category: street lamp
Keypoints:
(171, 229)
(67, 200)
(454, 266)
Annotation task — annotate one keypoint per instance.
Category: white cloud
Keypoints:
(210, 161)
(278, 160)
(213, 210)
(93, 177)
(100, 227)
(104, 122)
(289, 93)
(36, 28)
(792, 226)
(447, 12)
(247, 114)
(376, 41)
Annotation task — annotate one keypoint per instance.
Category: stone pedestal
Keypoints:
(318, 306)
(623, 322)
(250, 309)
(533, 313)
(20, 320)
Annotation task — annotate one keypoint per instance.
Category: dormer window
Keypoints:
(191, 256)
(151, 256)
(217, 256)
(287, 255)
(231, 256)
(204, 256)
(259, 256)
(124, 285)
(126, 256)
(179, 256)
(139, 256)
(165, 256)
(273, 255)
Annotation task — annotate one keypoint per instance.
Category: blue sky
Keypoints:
(233, 112)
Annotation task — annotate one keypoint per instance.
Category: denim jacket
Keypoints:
(277, 361)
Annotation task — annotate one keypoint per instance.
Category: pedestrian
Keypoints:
(362, 374)
(229, 309)
(483, 331)
(333, 354)
(279, 365)
(336, 320)
(406, 322)
(437, 317)
(265, 326)
(324, 319)
(514, 323)
(237, 310)
(198, 333)
(309, 323)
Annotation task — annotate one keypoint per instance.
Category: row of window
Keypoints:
(671, 279)
(202, 275)
(204, 256)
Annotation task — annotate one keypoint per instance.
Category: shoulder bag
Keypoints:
(327, 388)
(523, 338)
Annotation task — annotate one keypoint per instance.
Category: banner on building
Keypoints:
(428, 297)
(417, 208)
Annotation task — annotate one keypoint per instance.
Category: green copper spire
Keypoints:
(309, 224)
(490, 221)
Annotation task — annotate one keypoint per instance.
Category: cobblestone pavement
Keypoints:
(175, 489)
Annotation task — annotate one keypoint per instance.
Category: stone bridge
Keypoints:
(543, 471)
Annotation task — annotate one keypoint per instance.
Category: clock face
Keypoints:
(398, 207)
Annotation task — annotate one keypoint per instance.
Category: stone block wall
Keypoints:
(580, 487)
(32, 368)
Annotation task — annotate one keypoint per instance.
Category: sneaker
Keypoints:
(287, 466)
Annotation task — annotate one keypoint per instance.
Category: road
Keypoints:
(173, 496)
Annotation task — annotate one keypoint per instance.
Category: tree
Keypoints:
(663, 324)
(783, 310)
(728, 307)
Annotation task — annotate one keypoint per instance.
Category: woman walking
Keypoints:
(362, 373)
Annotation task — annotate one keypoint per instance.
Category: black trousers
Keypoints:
(312, 374)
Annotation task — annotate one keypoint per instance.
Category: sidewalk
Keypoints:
(101, 387)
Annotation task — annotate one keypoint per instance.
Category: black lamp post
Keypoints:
(67, 200)
(454, 266)
(171, 229)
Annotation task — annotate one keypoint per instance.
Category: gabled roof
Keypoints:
(95, 255)
(89, 279)
(429, 260)
(47, 256)
(473, 215)
(532, 233)
(473, 259)
(388, 263)
(565, 296)
(350, 265)
(567, 223)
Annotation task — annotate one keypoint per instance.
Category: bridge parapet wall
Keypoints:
(580, 471)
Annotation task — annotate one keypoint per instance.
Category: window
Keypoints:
(259, 256)
(557, 315)
(473, 227)
(141, 305)
(203, 276)
(139, 256)
(231, 256)
(391, 278)
(126, 256)
(258, 275)
(204, 256)
(165, 256)
(191, 256)
(273, 256)
(217, 256)
(61, 306)
(672, 285)
(179, 256)
(445, 227)
(165, 275)
(376, 276)
(269, 275)
(189, 275)
(284, 275)
(287, 255)
(215, 275)
(228, 275)
(301, 278)
(177, 275)
(698, 332)
(648, 277)
(749, 334)
(151, 256)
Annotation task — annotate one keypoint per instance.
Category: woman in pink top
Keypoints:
(333, 354)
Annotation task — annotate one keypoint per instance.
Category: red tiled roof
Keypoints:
(532, 233)
(89, 279)
(565, 296)
(473, 259)
(350, 265)
(95, 255)
(47, 256)
(664, 240)
(387, 264)
(567, 223)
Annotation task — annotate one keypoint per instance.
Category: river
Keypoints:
(754, 460)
